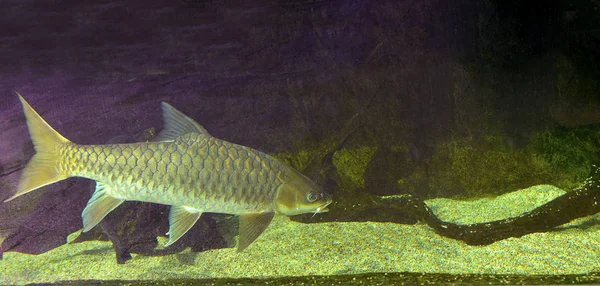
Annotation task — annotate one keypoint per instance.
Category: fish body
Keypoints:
(185, 167)
(193, 170)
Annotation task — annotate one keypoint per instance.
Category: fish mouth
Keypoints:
(323, 208)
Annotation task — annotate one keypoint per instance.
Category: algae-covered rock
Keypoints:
(491, 164)
(566, 153)
(470, 167)
(351, 164)
(391, 171)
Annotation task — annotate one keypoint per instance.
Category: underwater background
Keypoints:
(457, 138)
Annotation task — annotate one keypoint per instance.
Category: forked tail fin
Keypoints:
(42, 168)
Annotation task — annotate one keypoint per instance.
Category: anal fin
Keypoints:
(98, 207)
(251, 226)
(181, 219)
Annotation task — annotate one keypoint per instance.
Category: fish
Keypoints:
(184, 167)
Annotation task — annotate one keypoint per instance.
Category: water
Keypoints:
(424, 119)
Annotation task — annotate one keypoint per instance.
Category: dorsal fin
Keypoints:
(177, 124)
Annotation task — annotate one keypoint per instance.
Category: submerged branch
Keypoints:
(407, 209)
(581, 202)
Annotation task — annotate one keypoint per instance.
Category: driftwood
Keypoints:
(581, 202)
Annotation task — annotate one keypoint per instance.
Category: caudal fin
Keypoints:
(42, 168)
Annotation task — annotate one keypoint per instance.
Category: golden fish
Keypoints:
(185, 167)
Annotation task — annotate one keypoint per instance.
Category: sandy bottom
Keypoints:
(292, 249)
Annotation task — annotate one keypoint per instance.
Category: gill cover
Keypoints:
(299, 195)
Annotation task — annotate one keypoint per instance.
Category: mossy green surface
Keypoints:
(490, 165)
(566, 153)
(351, 164)
(473, 168)
(479, 166)
(298, 160)
(411, 183)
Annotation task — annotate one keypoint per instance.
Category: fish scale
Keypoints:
(169, 167)
(185, 167)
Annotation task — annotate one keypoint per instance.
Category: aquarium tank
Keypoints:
(299, 142)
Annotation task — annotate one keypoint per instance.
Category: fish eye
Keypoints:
(312, 196)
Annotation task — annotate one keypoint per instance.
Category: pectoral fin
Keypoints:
(181, 219)
(251, 226)
(98, 207)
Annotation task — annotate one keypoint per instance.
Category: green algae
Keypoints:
(566, 153)
(299, 159)
(470, 166)
(489, 165)
(351, 164)
(411, 184)
(474, 168)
